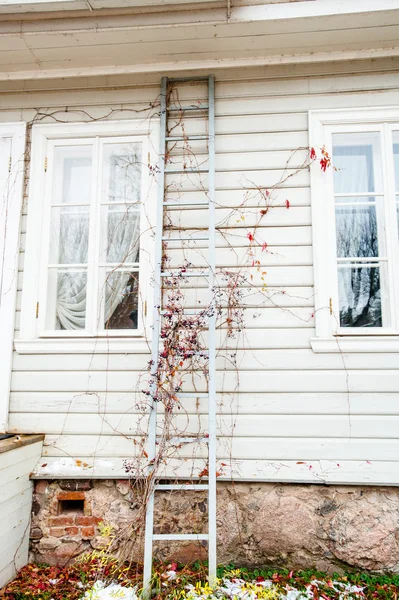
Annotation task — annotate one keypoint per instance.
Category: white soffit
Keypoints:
(169, 38)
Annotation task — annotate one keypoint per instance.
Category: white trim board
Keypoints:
(203, 65)
(11, 190)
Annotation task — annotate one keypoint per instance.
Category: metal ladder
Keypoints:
(162, 206)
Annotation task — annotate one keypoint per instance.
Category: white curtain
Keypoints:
(122, 247)
(356, 228)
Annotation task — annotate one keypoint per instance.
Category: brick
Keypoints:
(71, 496)
(87, 532)
(57, 531)
(62, 520)
(41, 487)
(72, 530)
(83, 520)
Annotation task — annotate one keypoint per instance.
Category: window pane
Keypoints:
(359, 297)
(69, 235)
(121, 300)
(354, 156)
(356, 229)
(72, 174)
(66, 300)
(121, 234)
(122, 172)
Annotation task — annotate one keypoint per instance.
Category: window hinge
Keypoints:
(331, 308)
(145, 308)
(37, 310)
(45, 165)
(9, 164)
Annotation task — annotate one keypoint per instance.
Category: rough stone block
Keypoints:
(73, 485)
(41, 487)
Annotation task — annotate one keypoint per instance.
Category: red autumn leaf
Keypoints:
(312, 154)
(323, 164)
(250, 237)
(301, 462)
(290, 575)
(264, 246)
(287, 203)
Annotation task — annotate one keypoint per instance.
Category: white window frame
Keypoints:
(33, 337)
(11, 194)
(329, 336)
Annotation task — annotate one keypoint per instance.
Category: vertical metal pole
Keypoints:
(212, 340)
(152, 427)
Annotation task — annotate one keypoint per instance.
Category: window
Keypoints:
(355, 211)
(88, 232)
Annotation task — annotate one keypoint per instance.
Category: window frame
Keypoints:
(11, 198)
(33, 336)
(330, 337)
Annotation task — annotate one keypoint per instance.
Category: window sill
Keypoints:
(82, 346)
(361, 343)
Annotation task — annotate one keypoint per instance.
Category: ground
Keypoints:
(177, 582)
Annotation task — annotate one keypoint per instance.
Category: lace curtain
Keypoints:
(123, 246)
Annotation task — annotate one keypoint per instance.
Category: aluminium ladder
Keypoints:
(162, 206)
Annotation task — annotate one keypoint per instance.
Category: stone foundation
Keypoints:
(331, 528)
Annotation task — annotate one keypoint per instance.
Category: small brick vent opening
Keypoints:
(70, 506)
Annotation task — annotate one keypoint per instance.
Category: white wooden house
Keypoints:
(315, 395)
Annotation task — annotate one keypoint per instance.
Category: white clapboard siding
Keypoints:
(18, 458)
(266, 448)
(341, 426)
(248, 359)
(284, 413)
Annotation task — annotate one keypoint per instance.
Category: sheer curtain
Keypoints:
(356, 229)
(123, 247)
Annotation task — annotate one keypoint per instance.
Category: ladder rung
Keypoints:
(182, 486)
(189, 274)
(186, 238)
(187, 79)
(183, 138)
(187, 170)
(187, 108)
(189, 440)
(192, 395)
(189, 313)
(180, 536)
(181, 204)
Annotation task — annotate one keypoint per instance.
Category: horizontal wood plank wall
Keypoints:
(15, 505)
(294, 415)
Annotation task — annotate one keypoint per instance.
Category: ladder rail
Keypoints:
(149, 520)
(212, 341)
(158, 313)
